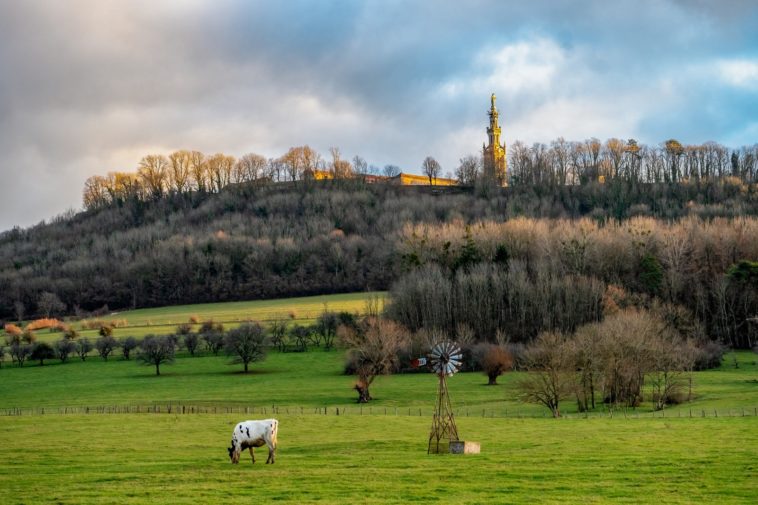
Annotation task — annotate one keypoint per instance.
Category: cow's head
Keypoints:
(234, 454)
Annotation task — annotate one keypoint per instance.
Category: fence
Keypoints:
(179, 409)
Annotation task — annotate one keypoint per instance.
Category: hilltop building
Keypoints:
(495, 167)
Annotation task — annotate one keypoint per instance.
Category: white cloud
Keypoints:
(741, 73)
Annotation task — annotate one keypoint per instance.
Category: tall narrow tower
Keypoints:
(494, 154)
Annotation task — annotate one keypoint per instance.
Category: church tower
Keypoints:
(494, 154)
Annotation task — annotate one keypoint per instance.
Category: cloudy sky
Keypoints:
(90, 86)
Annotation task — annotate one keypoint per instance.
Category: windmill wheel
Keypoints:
(445, 358)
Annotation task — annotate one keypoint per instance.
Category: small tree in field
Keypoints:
(42, 351)
(213, 334)
(63, 349)
(20, 352)
(156, 351)
(105, 345)
(549, 379)
(494, 360)
(278, 332)
(127, 346)
(246, 343)
(83, 347)
(374, 349)
(191, 342)
(326, 325)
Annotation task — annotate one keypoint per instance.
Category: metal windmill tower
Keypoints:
(444, 360)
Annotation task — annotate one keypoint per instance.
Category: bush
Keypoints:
(184, 329)
(709, 355)
(71, 334)
(106, 331)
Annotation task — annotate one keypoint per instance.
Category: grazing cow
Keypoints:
(249, 434)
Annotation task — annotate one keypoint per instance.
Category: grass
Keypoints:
(351, 458)
(162, 458)
(311, 379)
(164, 320)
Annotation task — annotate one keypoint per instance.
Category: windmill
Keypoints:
(444, 360)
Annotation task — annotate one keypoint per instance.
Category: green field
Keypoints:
(374, 454)
(164, 320)
(163, 458)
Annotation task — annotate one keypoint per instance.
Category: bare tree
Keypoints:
(359, 165)
(247, 344)
(374, 348)
(105, 345)
(19, 309)
(49, 304)
(180, 163)
(278, 332)
(250, 167)
(391, 170)
(63, 349)
(128, 345)
(19, 352)
(153, 169)
(83, 347)
(468, 170)
(157, 351)
(431, 168)
(549, 378)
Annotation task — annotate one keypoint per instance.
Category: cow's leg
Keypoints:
(252, 453)
(271, 451)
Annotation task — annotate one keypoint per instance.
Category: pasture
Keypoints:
(169, 458)
(164, 320)
(372, 454)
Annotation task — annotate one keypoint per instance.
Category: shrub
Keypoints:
(709, 355)
(106, 331)
(41, 324)
(194, 319)
(71, 334)
(28, 336)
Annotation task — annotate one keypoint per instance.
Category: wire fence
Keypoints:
(180, 409)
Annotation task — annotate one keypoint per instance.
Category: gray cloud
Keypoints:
(90, 86)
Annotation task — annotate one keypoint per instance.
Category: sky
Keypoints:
(91, 86)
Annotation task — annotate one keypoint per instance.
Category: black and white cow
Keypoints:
(249, 434)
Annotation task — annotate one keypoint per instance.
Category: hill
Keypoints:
(310, 237)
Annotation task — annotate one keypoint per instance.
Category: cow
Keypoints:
(249, 434)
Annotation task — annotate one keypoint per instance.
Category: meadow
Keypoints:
(164, 320)
(371, 454)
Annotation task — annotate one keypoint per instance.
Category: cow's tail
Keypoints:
(274, 431)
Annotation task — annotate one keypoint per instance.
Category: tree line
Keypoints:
(525, 276)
